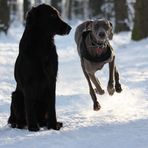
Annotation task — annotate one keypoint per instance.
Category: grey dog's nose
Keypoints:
(102, 34)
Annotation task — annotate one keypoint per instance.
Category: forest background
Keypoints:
(126, 15)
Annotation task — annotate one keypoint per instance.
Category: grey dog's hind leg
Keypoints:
(117, 83)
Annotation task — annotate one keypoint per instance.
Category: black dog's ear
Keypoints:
(31, 16)
(110, 31)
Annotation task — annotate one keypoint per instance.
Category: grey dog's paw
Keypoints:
(96, 106)
(118, 88)
(110, 90)
(100, 92)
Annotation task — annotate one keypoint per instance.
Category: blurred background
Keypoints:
(126, 15)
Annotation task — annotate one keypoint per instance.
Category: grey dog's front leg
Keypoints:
(96, 82)
(110, 87)
(96, 104)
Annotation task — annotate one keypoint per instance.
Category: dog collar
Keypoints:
(97, 46)
(97, 59)
(99, 50)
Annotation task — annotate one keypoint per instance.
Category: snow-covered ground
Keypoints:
(121, 122)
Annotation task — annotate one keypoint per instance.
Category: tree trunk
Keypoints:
(26, 6)
(95, 7)
(56, 4)
(69, 9)
(4, 15)
(86, 10)
(37, 2)
(121, 16)
(140, 29)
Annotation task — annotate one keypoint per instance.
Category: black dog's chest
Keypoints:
(50, 64)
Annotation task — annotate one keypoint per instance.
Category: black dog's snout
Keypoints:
(64, 28)
(102, 34)
(68, 29)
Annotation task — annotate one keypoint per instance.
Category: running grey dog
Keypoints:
(92, 39)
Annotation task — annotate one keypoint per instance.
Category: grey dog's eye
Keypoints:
(106, 26)
(96, 26)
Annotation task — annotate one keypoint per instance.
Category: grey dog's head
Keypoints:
(102, 29)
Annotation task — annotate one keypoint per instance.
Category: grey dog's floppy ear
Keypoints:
(88, 26)
(110, 31)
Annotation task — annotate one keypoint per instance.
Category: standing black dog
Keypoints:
(33, 101)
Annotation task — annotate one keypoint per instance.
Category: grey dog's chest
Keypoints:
(92, 67)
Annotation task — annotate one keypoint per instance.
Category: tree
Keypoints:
(67, 9)
(95, 7)
(56, 4)
(121, 16)
(37, 2)
(26, 6)
(140, 29)
(4, 15)
(75, 9)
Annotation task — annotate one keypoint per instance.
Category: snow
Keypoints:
(121, 122)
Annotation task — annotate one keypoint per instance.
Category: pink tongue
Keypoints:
(99, 50)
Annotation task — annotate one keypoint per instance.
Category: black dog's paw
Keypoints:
(34, 128)
(97, 106)
(12, 125)
(12, 122)
(21, 126)
(59, 125)
(118, 88)
(56, 126)
(42, 123)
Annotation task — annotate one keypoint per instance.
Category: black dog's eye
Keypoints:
(53, 15)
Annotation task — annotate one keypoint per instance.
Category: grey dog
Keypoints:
(92, 39)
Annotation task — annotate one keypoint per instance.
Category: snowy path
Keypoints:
(121, 122)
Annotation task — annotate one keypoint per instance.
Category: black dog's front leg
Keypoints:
(31, 115)
(31, 108)
(110, 86)
(52, 121)
(50, 70)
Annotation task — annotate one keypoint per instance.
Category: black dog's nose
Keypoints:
(68, 29)
(102, 34)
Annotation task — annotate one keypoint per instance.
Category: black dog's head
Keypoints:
(47, 18)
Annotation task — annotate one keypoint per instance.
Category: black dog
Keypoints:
(33, 102)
